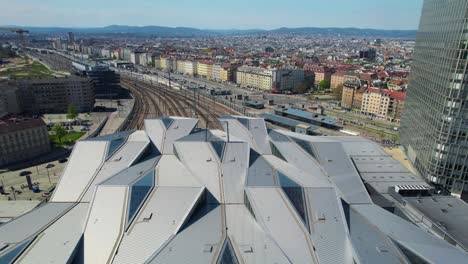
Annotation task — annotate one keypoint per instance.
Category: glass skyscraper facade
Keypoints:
(434, 126)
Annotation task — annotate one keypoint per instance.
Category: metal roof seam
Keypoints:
(300, 223)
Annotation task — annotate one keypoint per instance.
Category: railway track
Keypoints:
(158, 100)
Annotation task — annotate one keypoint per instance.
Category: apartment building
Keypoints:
(22, 138)
(126, 54)
(54, 95)
(167, 64)
(226, 74)
(255, 77)
(217, 67)
(157, 63)
(205, 69)
(106, 53)
(320, 73)
(135, 57)
(144, 59)
(352, 95)
(115, 54)
(339, 78)
(383, 103)
(186, 67)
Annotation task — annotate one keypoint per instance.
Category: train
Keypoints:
(255, 105)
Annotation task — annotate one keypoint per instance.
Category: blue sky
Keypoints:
(214, 14)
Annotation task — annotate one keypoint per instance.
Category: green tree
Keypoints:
(59, 131)
(324, 84)
(72, 113)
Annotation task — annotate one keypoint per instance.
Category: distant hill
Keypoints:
(188, 32)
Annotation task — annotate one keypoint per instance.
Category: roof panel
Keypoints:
(370, 244)
(166, 209)
(382, 167)
(304, 178)
(279, 221)
(255, 133)
(171, 172)
(83, 164)
(234, 169)
(105, 224)
(201, 160)
(259, 134)
(198, 243)
(261, 173)
(342, 171)
(178, 129)
(328, 226)
(129, 175)
(27, 225)
(155, 130)
(138, 135)
(433, 249)
(57, 243)
(253, 244)
(119, 162)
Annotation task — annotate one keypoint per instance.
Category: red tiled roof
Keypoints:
(398, 95)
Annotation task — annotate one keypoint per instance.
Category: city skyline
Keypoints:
(335, 13)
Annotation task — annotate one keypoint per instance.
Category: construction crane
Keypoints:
(20, 33)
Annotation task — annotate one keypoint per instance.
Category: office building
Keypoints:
(54, 95)
(369, 54)
(105, 82)
(434, 128)
(10, 102)
(22, 138)
(287, 79)
(174, 194)
(71, 37)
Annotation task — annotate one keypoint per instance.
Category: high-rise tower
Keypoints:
(434, 126)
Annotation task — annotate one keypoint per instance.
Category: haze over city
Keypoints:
(228, 132)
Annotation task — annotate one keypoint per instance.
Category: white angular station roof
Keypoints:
(175, 193)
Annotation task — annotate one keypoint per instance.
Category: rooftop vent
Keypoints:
(208, 248)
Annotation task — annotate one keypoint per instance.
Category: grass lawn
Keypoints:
(68, 139)
(36, 70)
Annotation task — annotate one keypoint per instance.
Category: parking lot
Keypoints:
(45, 176)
